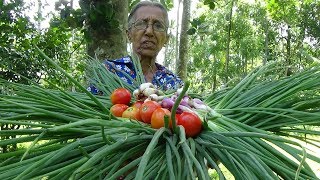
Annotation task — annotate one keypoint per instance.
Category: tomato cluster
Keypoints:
(120, 98)
(152, 113)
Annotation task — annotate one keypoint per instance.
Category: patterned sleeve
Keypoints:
(173, 82)
(93, 90)
(121, 69)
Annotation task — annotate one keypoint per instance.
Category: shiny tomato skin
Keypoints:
(147, 109)
(118, 109)
(120, 96)
(157, 118)
(191, 123)
(177, 117)
(137, 104)
(132, 113)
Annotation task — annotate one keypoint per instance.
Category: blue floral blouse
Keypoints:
(163, 78)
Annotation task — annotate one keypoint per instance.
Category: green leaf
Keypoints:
(210, 3)
(191, 31)
(169, 4)
(195, 22)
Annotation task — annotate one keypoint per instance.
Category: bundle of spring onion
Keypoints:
(253, 129)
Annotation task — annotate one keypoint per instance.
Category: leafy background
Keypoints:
(260, 31)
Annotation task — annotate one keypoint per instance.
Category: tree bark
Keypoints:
(108, 42)
(301, 35)
(245, 69)
(228, 43)
(167, 53)
(266, 41)
(214, 84)
(177, 37)
(288, 48)
(184, 44)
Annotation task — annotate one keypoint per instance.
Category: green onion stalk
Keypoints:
(256, 130)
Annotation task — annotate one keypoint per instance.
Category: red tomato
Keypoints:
(191, 123)
(177, 117)
(157, 118)
(137, 104)
(118, 109)
(120, 96)
(132, 113)
(147, 109)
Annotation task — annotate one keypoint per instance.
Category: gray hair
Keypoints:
(151, 4)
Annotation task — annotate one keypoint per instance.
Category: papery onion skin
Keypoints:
(167, 103)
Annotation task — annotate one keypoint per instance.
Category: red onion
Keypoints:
(198, 101)
(184, 103)
(167, 103)
(181, 109)
(174, 97)
(200, 106)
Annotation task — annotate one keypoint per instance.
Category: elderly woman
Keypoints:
(147, 31)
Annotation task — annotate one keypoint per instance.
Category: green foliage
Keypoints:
(60, 45)
(252, 25)
(310, 19)
(197, 25)
(18, 57)
(168, 4)
(259, 33)
(15, 43)
(98, 15)
(210, 3)
(283, 10)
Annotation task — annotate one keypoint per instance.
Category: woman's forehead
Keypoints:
(150, 13)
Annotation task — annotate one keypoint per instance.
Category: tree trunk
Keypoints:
(39, 16)
(214, 84)
(228, 43)
(167, 53)
(288, 48)
(266, 41)
(301, 35)
(177, 37)
(245, 69)
(107, 39)
(183, 46)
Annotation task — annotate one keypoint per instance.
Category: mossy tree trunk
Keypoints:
(105, 30)
(184, 44)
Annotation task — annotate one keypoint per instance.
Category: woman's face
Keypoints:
(148, 33)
